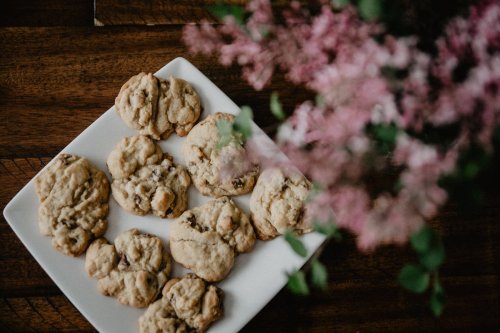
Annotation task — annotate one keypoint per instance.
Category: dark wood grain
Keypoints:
(153, 12)
(161, 12)
(55, 81)
(76, 73)
(46, 13)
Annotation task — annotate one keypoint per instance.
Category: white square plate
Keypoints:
(256, 277)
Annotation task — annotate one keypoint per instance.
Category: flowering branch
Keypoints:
(392, 121)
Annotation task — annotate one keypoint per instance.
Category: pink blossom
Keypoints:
(203, 39)
(345, 61)
(464, 77)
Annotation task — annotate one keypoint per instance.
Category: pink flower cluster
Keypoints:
(462, 85)
(301, 46)
(335, 54)
(333, 149)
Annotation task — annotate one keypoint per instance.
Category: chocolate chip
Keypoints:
(301, 214)
(65, 158)
(123, 260)
(285, 184)
(150, 281)
(70, 224)
(192, 221)
(156, 175)
(137, 199)
(237, 183)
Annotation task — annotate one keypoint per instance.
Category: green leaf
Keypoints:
(243, 122)
(436, 305)
(385, 136)
(437, 287)
(421, 240)
(319, 274)
(386, 133)
(319, 101)
(471, 170)
(296, 244)
(429, 247)
(370, 10)
(437, 299)
(329, 229)
(276, 107)
(297, 283)
(434, 257)
(225, 129)
(414, 278)
(340, 3)
(220, 11)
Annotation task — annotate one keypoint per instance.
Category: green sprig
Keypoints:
(276, 107)
(220, 11)
(243, 122)
(237, 132)
(329, 229)
(319, 274)
(297, 283)
(437, 298)
(429, 248)
(370, 10)
(296, 244)
(416, 277)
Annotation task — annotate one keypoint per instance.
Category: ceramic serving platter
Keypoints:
(256, 277)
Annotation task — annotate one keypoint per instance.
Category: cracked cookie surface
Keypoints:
(207, 238)
(158, 107)
(188, 304)
(207, 163)
(133, 270)
(147, 180)
(74, 198)
(277, 203)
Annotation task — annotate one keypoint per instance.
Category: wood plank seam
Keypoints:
(38, 313)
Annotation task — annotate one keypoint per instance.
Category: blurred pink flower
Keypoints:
(347, 62)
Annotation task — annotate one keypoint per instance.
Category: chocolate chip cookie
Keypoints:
(74, 198)
(213, 168)
(277, 203)
(147, 180)
(188, 304)
(207, 238)
(157, 107)
(134, 270)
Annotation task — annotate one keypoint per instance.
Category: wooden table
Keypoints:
(59, 72)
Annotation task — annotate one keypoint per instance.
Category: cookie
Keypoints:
(217, 171)
(74, 198)
(188, 304)
(277, 203)
(157, 107)
(207, 238)
(133, 270)
(147, 180)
